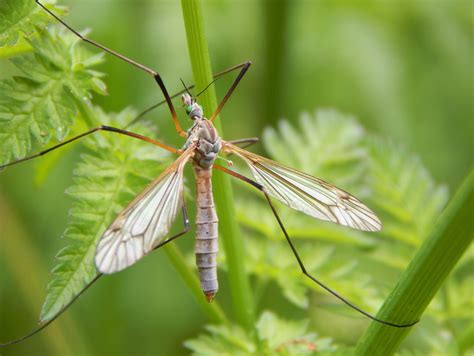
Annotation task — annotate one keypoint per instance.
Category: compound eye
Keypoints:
(189, 108)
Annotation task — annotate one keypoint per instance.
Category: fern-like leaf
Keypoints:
(115, 169)
(44, 99)
(404, 192)
(329, 147)
(275, 336)
(334, 147)
(22, 18)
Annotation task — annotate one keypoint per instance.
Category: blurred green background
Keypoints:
(404, 68)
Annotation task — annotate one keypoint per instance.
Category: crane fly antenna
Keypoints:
(297, 256)
(185, 87)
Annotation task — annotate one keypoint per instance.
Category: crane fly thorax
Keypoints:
(208, 142)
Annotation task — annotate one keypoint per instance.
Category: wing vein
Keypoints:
(308, 194)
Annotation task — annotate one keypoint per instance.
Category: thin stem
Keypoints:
(199, 54)
(276, 16)
(424, 276)
(212, 310)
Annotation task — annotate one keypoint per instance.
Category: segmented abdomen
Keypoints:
(206, 232)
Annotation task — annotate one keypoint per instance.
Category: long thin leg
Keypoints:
(245, 67)
(91, 131)
(96, 278)
(298, 258)
(216, 77)
(151, 72)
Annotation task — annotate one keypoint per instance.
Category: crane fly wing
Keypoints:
(142, 225)
(308, 194)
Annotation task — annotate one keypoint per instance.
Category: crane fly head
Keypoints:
(193, 109)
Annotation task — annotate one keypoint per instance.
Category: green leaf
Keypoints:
(289, 337)
(406, 195)
(115, 169)
(358, 265)
(22, 46)
(277, 335)
(43, 101)
(331, 146)
(22, 18)
(328, 145)
(222, 340)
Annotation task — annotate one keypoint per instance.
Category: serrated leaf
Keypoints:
(285, 335)
(43, 101)
(404, 192)
(221, 340)
(22, 18)
(276, 336)
(328, 145)
(108, 176)
(335, 147)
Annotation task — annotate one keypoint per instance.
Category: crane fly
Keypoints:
(144, 224)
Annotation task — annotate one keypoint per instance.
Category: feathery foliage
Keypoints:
(428, 270)
(23, 19)
(361, 266)
(277, 335)
(43, 100)
(111, 174)
(55, 88)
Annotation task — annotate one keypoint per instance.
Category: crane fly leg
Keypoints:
(297, 256)
(91, 131)
(244, 67)
(154, 106)
(96, 278)
(140, 66)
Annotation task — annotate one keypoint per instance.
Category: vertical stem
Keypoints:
(424, 276)
(199, 55)
(275, 18)
(213, 312)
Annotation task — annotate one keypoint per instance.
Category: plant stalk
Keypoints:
(235, 254)
(424, 276)
(212, 310)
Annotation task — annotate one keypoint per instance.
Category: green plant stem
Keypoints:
(424, 276)
(199, 55)
(212, 310)
(275, 21)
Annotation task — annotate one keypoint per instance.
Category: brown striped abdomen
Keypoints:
(206, 232)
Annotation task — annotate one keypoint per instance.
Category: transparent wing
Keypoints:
(144, 222)
(308, 194)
